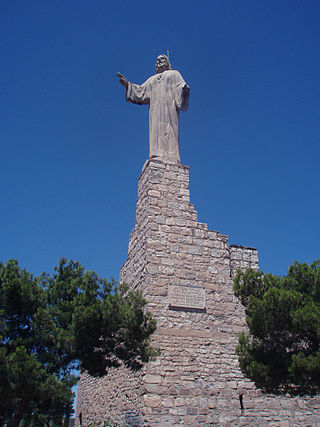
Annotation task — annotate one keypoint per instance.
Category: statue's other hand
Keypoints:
(122, 80)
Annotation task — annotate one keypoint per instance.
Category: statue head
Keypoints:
(163, 64)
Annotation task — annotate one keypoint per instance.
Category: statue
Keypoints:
(166, 93)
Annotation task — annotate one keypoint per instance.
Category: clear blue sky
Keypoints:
(72, 149)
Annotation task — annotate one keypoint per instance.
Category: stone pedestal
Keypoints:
(185, 272)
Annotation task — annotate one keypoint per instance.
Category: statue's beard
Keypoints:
(162, 68)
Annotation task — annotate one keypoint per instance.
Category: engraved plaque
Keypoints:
(186, 296)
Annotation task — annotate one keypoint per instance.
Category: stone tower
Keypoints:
(185, 272)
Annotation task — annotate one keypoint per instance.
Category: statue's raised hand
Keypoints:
(122, 80)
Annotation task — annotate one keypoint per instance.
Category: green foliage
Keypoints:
(281, 353)
(50, 326)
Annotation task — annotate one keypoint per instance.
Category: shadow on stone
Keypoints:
(188, 309)
(133, 419)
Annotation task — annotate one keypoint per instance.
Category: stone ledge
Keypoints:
(181, 332)
(162, 164)
(242, 247)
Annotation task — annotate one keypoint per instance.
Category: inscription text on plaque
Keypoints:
(186, 296)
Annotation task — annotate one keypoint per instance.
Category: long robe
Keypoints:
(165, 96)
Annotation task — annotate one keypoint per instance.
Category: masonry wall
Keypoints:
(196, 380)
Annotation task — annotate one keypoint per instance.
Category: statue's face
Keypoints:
(162, 64)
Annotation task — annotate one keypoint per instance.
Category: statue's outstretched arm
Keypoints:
(122, 80)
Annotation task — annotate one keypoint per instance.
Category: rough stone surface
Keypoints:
(196, 380)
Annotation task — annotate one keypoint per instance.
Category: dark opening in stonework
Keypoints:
(241, 402)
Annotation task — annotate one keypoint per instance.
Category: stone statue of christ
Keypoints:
(166, 93)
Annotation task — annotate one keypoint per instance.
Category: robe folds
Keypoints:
(165, 95)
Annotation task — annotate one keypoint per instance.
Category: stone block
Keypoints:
(181, 410)
(154, 389)
(152, 379)
(236, 255)
(154, 226)
(152, 400)
(170, 221)
(179, 401)
(167, 402)
(167, 420)
(160, 219)
(313, 403)
(185, 391)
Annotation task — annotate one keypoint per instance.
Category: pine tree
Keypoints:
(281, 352)
(50, 326)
